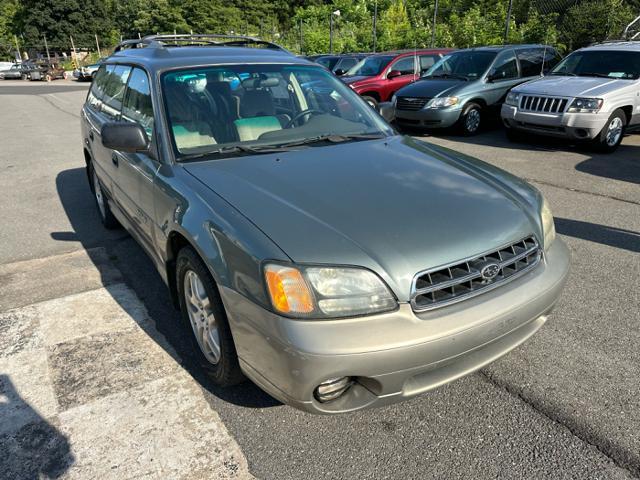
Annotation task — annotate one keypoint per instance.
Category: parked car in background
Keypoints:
(377, 77)
(340, 64)
(87, 72)
(12, 73)
(592, 95)
(468, 84)
(4, 66)
(335, 263)
(47, 71)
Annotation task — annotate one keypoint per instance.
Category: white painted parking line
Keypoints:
(88, 376)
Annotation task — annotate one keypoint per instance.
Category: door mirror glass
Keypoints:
(124, 137)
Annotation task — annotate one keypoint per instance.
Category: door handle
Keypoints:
(114, 159)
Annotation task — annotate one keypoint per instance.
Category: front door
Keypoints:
(502, 77)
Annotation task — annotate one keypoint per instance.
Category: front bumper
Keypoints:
(392, 356)
(428, 117)
(577, 126)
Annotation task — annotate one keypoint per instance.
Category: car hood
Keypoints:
(430, 88)
(572, 86)
(359, 80)
(396, 206)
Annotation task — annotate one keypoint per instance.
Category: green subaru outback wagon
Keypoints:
(308, 246)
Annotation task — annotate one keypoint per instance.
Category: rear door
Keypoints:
(137, 170)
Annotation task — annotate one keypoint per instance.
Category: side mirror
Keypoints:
(339, 72)
(393, 74)
(125, 137)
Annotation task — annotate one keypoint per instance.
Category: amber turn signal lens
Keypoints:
(288, 290)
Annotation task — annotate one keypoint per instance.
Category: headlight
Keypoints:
(548, 227)
(443, 102)
(513, 99)
(326, 292)
(585, 105)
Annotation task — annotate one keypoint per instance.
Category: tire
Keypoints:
(23, 77)
(610, 137)
(47, 78)
(470, 119)
(202, 311)
(104, 210)
(371, 101)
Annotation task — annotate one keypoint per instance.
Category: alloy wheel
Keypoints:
(614, 132)
(472, 122)
(201, 317)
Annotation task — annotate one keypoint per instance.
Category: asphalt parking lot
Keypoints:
(564, 405)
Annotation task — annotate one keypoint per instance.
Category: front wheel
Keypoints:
(204, 314)
(371, 101)
(610, 137)
(471, 119)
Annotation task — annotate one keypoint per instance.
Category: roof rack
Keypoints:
(614, 41)
(190, 40)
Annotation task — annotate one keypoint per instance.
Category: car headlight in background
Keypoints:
(513, 99)
(548, 227)
(443, 102)
(326, 292)
(585, 105)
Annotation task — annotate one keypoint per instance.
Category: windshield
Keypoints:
(468, 65)
(600, 63)
(247, 108)
(370, 66)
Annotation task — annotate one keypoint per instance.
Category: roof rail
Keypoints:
(613, 41)
(211, 40)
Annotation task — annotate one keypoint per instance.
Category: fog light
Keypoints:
(332, 388)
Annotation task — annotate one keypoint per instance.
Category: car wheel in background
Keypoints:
(24, 77)
(204, 315)
(371, 101)
(610, 137)
(471, 119)
(106, 216)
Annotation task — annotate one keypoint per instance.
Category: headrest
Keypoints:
(251, 83)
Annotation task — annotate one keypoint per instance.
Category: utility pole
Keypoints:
(433, 25)
(301, 39)
(337, 14)
(506, 28)
(18, 48)
(46, 46)
(375, 25)
(98, 45)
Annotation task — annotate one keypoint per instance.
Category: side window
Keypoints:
(530, 61)
(94, 98)
(405, 66)
(346, 63)
(117, 76)
(505, 67)
(137, 105)
(427, 61)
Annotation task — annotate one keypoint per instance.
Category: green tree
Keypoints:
(594, 21)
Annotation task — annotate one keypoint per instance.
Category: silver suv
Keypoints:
(592, 95)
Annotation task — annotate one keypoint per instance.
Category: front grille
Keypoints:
(411, 103)
(461, 280)
(532, 103)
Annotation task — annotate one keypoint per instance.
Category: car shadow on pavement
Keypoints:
(141, 275)
(611, 236)
(30, 446)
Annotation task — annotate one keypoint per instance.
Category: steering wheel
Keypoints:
(303, 113)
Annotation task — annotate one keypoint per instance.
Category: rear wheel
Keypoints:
(471, 119)
(610, 137)
(204, 314)
(106, 216)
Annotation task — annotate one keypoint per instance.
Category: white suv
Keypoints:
(593, 94)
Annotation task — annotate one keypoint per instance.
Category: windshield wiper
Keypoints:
(589, 74)
(564, 74)
(333, 138)
(448, 75)
(231, 150)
